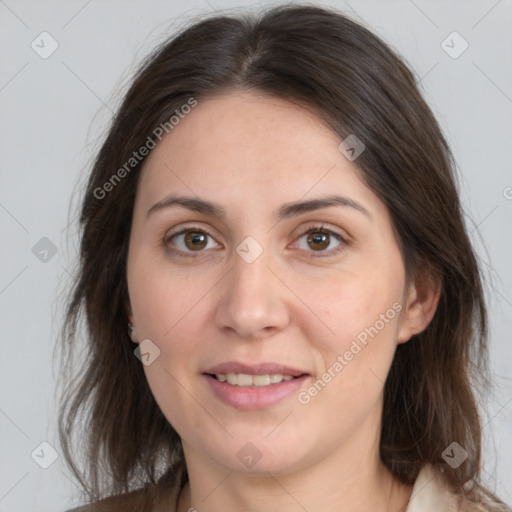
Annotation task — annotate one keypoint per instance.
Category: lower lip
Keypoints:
(254, 397)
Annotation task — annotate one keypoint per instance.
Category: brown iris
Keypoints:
(318, 240)
(195, 240)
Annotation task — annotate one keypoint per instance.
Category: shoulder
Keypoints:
(489, 506)
(156, 498)
(431, 493)
(134, 501)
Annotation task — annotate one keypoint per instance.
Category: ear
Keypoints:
(131, 332)
(422, 298)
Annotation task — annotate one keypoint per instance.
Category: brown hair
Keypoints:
(357, 85)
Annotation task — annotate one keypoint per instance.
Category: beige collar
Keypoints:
(430, 494)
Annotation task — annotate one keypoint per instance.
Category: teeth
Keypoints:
(261, 380)
(245, 380)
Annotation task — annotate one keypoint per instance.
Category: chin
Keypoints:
(259, 456)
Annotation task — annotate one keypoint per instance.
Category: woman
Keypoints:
(273, 215)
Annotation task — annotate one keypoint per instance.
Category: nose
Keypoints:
(253, 300)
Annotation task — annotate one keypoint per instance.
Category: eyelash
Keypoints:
(314, 229)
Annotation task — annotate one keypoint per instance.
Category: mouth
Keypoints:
(254, 386)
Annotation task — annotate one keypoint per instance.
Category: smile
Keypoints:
(253, 386)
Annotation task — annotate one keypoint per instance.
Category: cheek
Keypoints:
(171, 312)
(353, 363)
(169, 309)
(352, 308)
(164, 300)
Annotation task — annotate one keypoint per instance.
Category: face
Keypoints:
(270, 318)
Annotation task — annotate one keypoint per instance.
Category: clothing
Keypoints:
(428, 495)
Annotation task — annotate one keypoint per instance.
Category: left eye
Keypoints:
(319, 240)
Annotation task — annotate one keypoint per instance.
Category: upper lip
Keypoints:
(254, 369)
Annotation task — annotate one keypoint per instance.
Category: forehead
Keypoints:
(251, 146)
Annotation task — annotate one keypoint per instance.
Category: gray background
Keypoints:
(54, 110)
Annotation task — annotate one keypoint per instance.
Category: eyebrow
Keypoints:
(286, 211)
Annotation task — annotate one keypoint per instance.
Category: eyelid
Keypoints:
(184, 229)
(323, 226)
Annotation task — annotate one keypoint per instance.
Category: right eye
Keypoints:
(189, 240)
